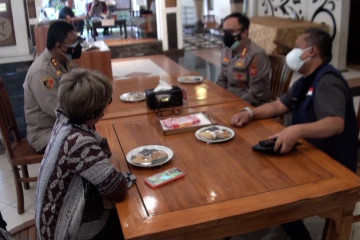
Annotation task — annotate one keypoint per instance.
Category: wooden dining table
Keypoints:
(228, 188)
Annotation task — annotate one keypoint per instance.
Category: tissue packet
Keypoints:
(164, 99)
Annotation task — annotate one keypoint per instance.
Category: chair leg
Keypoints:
(328, 232)
(19, 190)
(25, 173)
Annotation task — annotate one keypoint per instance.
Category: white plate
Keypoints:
(154, 163)
(212, 129)
(133, 96)
(190, 79)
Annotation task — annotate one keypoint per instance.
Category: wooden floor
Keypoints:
(211, 55)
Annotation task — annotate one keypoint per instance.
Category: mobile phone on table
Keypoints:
(164, 177)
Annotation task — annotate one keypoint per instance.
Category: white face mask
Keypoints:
(293, 58)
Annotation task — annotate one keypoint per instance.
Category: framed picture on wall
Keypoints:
(7, 34)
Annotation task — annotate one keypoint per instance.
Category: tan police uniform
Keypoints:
(40, 97)
(247, 73)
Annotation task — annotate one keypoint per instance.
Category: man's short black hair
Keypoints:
(322, 40)
(58, 32)
(242, 19)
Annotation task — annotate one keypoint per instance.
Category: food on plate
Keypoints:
(141, 159)
(210, 135)
(214, 133)
(147, 156)
(222, 134)
(159, 155)
(178, 122)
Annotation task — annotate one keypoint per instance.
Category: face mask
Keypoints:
(293, 58)
(75, 52)
(67, 55)
(230, 40)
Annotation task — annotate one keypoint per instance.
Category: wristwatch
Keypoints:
(247, 109)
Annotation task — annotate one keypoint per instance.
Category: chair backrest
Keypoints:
(209, 21)
(280, 75)
(8, 124)
(26, 230)
(149, 24)
(358, 122)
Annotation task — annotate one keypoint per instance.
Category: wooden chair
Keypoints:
(210, 22)
(18, 150)
(358, 121)
(280, 48)
(280, 75)
(355, 217)
(25, 231)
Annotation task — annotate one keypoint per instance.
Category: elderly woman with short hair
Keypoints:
(76, 174)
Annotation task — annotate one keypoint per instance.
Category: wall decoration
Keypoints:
(314, 11)
(326, 11)
(5, 29)
(7, 35)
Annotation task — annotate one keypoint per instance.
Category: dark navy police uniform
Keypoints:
(322, 94)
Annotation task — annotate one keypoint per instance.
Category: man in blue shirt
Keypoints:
(67, 13)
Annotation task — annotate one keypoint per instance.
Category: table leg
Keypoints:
(94, 30)
(125, 30)
(338, 224)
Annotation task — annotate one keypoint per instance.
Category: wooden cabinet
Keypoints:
(98, 59)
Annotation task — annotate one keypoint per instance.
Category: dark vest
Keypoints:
(343, 146)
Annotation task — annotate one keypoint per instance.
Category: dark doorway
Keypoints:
(353, 50)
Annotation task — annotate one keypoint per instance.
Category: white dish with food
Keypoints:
(133, 96)
(190, 79)
(149, 156)
(214, 134)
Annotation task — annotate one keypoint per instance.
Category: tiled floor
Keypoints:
(8, 202)
(205, 62)
(201, 41)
